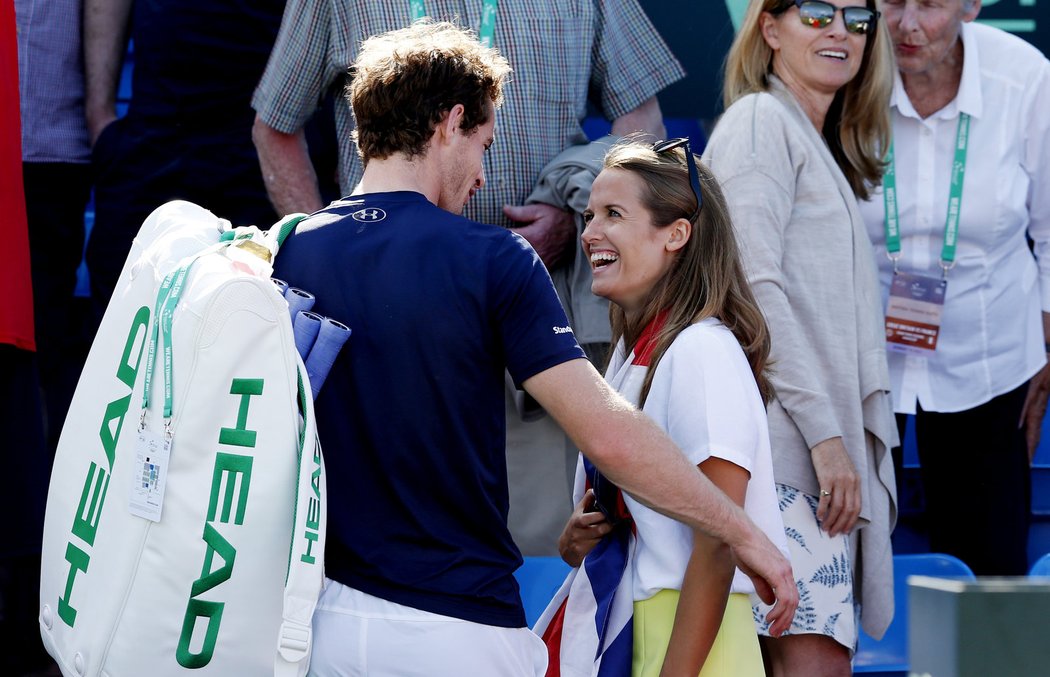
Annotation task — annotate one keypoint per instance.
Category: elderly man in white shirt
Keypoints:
(966, 321)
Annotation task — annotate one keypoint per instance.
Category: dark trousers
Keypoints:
(27, 466)
(976, 483)
(56, 194)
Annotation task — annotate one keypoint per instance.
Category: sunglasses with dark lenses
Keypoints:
(694, 175)
(818, 14)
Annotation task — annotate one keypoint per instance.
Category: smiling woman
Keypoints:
(628, 254)
(690, 351)
(807, 88)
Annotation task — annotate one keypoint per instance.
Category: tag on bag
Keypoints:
(149, 475)
(913, 314)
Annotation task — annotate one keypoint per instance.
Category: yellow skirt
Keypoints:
(735, 652)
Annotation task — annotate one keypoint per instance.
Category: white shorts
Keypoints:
(823, 566)
(358, 635)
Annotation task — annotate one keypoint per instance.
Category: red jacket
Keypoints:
(16, 288)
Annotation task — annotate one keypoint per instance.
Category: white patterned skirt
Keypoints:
(823, 567)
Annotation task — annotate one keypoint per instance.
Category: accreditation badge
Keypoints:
(913, 314)
(149, 476)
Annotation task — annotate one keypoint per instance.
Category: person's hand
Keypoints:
(582, 532)
(550, 231)
(839, 504)
(771, 574)
(1034, 409)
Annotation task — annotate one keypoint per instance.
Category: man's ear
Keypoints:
(450, 124)
(680, 232)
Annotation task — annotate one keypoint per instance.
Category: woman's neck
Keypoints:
(931, 90)
(644, 321)
(632, 329)
(814, 104)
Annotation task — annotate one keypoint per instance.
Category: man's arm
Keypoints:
(637, 456)
(293, 85)
(105, 42)
(646, 118)
(291, 181)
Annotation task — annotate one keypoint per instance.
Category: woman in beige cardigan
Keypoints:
(806, 89)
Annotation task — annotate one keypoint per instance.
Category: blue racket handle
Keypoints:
(330, 339)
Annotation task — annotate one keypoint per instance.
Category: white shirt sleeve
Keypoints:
(704, 395)
(1036, 164)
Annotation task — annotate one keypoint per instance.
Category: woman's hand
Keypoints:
(839, 487)
(582, 532)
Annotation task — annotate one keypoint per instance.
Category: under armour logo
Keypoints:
(369, 215)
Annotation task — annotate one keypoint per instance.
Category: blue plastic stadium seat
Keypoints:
(1041, 567)
(124, 85)
(689, 128)
(595, 127)
(1038, 536)
(540, 578)
(889, 656)
(1041, 488)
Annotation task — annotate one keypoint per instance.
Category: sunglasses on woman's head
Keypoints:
(694, 175)
(818, 14)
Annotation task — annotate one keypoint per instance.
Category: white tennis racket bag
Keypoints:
(185, 530)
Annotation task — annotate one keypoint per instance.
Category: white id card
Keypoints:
(149, 475)
(913, 314)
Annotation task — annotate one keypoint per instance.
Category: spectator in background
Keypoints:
(807, 87)
(187, 132)
(56, 156)
(26, 461)
(563, 51)
(979, 394)
(419, 554)
(663, 250)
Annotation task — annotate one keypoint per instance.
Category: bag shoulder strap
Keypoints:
(285, 227)
(305, 576)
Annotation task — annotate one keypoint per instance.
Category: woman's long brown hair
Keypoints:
(706, 279)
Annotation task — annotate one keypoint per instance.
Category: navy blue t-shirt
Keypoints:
(411, 418)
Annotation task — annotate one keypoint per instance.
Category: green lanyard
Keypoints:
(951, 225)
(167, 300)
(488, 18)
